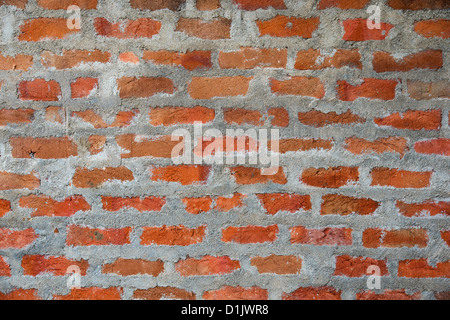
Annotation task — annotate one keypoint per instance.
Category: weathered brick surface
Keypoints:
(88, 179)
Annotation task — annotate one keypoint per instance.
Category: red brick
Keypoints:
(445, 235)
(5, 270)
(432, 90)
(64, 4)
(16, 239)
(46, 206)
(388, 295)
(250, 234)
(313, 293)
(130, 267)
(420, 268)
(173, 5)
(280, 117)
(16, 116)
(55, 114)
(252, 5)
(155, 147)
(115, 204)
(20, 294)
(433, 146)
(418, 4)
(248, 175)
(342, 4)
(373, 89)
(400, 178)
(219, 28)
(299, 86)
(381, 145)
(123, 118)
(427, 59)
(442, 295)
(34, 265)
(376, 238)
(312, 59)
(197, 205)
(43, 148)
(74, 58)
(428, 208)
(129, 57)
(412, 120)
(228, 145)
(127, 29)
(5, 207)
(93, 293)
(357, 267)
(334, 204)
(45, 29)
(282, 26)
(40, 90)
(357, 30)
(132, 87)
(16, 3)
(277, 264)
(334, 177)
(207, 5)
(321, 237)
(83, 87)
(320, 119)
(237, 293)
(172, 235)
(225, 204)
(243, 117)
(251, 58)
(208, 88)
(9, 180)
(159, 293)
(20, 62)
(191, 60)
(207, 265)
(168, 116)
(278, 202)
(439, 28)
(184, 174)
(85, 236)
(85, 178)
(96, 144)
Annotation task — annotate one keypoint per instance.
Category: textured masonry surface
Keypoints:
(86, 177)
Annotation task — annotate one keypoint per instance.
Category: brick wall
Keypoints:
(86, 175)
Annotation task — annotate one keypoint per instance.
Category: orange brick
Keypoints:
(321, 237)
(334, 177)
(207, 265)
(131, 267)
(208, 88)
(299, 86)
(376, 238)
(282, 26)
(237, 293)
(251, 58)
(85, 236)
(357, 30)
(250, 234)
(210, 30)
(46, 206)
(191, 60)
(140, 28)
(172, 235)
(313, 293)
